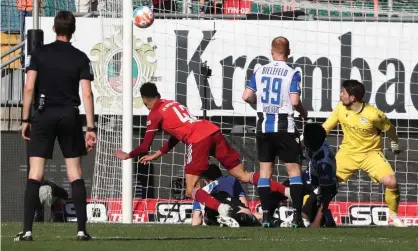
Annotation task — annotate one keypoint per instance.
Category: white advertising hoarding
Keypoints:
(382, 55)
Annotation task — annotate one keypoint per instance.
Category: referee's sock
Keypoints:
(79, 198)
(296, 192)
(264, 192)
(31, 202)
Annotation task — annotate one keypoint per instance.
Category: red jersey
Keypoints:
(175, 119)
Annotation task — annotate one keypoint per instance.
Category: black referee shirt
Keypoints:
(59, 67)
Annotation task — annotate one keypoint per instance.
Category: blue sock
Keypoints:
(295, 180)
(263, 182)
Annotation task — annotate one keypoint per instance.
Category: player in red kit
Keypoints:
(202, 138)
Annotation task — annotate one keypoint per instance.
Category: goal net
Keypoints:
(330, 41)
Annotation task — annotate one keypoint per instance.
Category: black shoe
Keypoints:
(297, 221)
(83, 236)
(22, 237)
(277, 222)
(267, 221)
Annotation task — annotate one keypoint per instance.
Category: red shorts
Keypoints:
(197, 154)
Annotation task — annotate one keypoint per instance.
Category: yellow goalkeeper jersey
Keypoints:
(362, 130)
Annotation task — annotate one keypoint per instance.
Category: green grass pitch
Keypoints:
(112, 237)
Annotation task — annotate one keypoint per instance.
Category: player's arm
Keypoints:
(295, 92)
(332, 121)
(153, 124)
(327, 181)
(249, 95)
(383, 124)
(327, 189)
(240, 192)
(197, 216)
(169, 144)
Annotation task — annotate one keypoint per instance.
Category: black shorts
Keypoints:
(63, 123)
(283, 144)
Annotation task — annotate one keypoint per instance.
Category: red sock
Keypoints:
(274, 185)
(206, 199)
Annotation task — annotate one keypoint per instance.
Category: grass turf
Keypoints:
(112, 237)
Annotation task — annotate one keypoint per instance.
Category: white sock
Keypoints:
(28, 233)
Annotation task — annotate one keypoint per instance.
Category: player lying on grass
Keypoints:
(229, 190)
(361, 148)
(202, 138)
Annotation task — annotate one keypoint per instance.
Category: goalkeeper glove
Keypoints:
(394, 146)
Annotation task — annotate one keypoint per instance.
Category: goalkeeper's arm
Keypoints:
(382, 123)
(332, 121)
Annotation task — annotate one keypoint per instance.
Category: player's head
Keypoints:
(212, 173)
(64, 24)
(352, 92)
(314, 136)
(280, 49)
(149, 94)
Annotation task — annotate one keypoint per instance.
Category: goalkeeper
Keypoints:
(361, 147)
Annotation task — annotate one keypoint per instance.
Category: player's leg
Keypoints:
(267, 152)
(230, 159)
(290, 153)
(275, 186)
(346, 166)
(196, 162)
(40, 148)
(72, 144)
(379, 170)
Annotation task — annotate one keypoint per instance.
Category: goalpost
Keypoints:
(331, 42)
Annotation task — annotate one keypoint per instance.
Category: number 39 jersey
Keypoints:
(273, 84)
(176, 120)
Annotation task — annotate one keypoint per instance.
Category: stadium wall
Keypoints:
(326, 52)
(354, 197)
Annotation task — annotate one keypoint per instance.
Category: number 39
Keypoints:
(184, 115)
(274, 90)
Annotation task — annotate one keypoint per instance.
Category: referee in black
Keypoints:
(54, 75)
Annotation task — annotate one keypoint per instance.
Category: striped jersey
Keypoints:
(273, 83)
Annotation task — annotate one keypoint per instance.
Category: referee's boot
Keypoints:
(268, 220)
(21, 236)
(83, 236)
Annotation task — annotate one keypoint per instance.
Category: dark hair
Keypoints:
(64, 24)
(149, 90)
(314, 136)
(354, 88)
(212, 173)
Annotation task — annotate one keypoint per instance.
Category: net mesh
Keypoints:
(171, 53)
